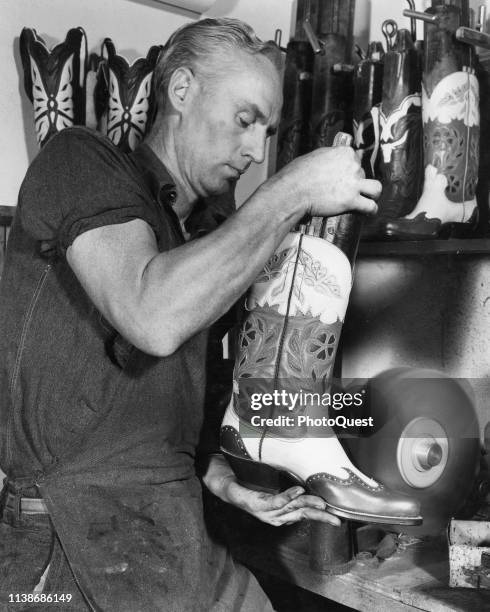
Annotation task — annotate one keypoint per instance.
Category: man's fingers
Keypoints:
(306, 513)
(365, 205)
(370, 187)
(279, 501)
(284, 508)
(255, 502)
(303, 501)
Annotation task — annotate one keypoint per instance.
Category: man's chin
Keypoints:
(223, 187)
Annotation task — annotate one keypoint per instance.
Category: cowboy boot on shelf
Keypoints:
(286, 350)
(294, 129)
(54, 81)
(450, 111)
(332, 94)
(398, 122)
(368, 82)
(123, 96)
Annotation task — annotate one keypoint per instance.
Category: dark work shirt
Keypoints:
(106, 433)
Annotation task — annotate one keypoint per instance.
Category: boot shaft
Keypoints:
(450, 104)
(291, 329)
(400, 128)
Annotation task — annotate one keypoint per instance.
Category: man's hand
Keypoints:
(280, 509)
(328, 181)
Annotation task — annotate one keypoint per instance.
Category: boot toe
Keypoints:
(355, 499)
(419, 228)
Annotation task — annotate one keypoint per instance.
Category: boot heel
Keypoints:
(260, 476)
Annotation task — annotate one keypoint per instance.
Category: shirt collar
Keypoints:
(207, 213)
(156, 174)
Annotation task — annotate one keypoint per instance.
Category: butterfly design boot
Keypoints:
(54, 81)
(123, 96)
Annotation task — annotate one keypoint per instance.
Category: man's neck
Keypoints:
(162, 145)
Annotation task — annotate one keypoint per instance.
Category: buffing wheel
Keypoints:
(425, 441)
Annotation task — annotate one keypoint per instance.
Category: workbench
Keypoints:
(414, 578)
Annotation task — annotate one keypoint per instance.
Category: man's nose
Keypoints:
(254, 146)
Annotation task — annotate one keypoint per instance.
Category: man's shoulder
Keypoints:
(82, 152)
(78, 179)
(80, 137)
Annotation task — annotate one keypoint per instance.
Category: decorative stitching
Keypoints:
(352, 479)
(228, 429)
(27, 321)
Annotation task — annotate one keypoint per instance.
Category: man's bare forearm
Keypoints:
(201, 280)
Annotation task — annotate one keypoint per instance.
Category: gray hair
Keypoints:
(196, 45)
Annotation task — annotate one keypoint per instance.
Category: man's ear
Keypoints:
(180, 83)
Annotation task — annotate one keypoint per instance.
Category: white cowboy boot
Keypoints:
(451, 125)
(287, 345)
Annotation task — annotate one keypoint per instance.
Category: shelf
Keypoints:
(419, 248)
(422, 248)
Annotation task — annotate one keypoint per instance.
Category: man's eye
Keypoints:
(243, 122)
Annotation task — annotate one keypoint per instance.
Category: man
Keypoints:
(106, 308)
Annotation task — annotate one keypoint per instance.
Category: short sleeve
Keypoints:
(79, 181)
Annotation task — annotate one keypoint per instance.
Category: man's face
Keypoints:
(227, 122)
